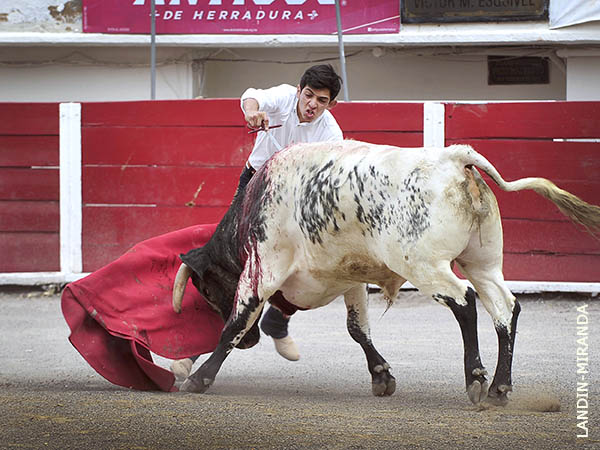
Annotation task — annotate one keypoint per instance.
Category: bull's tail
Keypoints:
(183, 274)
(570, 205)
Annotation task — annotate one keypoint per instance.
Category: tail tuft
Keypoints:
(571, 206)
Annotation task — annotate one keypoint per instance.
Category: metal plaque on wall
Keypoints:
(422, 11)
(518, 70)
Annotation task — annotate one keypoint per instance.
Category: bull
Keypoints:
(320, 220)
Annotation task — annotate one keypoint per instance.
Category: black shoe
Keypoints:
(274, 323)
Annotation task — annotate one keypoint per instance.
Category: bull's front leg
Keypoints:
(246, 312)
(383, 383)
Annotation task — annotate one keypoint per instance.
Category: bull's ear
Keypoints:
(197, 260)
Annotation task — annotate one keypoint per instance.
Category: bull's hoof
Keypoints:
(499, 396)
(384, 389)
(478, 391)
(190, 385)
(384, 384)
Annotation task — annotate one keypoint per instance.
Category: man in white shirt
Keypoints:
(297, 114)
(303, 113)
(300, 113)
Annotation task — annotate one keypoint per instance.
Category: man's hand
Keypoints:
(254, 118)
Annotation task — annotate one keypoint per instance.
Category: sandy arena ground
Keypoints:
(51, 398)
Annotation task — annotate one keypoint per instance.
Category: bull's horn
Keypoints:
(179, 284)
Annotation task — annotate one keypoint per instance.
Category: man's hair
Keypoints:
(322, 77)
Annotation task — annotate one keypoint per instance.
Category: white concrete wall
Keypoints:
(112, 74)
(40, 15)
(91, 74)
(583, 82)
(396, 75)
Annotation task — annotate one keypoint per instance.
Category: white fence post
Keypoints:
(71, 259)
(434, 131)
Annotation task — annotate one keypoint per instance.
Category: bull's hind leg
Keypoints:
(447, 289)
(481, 263)
(383, 383)
(504, 309)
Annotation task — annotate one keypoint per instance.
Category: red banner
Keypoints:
(241, 16)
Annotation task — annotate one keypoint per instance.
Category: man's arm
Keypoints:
(258, 104)
(254, 118)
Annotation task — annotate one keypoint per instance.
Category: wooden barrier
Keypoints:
(29, 212)
(152, 167)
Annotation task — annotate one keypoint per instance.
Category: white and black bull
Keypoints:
(320, 220)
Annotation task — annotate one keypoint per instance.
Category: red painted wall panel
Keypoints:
(29, 252)
(28, 119)
(523, 120)
(165, 113)
(25, 216)
(29, 219)
(163, 186)
(109, 231)
(29, 184)
(27, 151)
(551, 238)
(181, 159)
(379, 116)
(194, 146)
(540, 267)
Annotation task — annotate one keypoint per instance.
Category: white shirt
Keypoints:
(280, 103)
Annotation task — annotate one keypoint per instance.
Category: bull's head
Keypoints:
(217, 285)
(214, 284)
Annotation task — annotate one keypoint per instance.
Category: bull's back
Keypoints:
(351, 206)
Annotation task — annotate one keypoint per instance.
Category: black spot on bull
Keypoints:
(257, 196)
(413, 208)
(317, 203)
(382, 204)
(372, 197)
(353, 325)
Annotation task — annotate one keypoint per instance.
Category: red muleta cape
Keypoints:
(121, 312)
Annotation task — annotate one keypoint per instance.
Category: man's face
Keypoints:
(312, 103)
